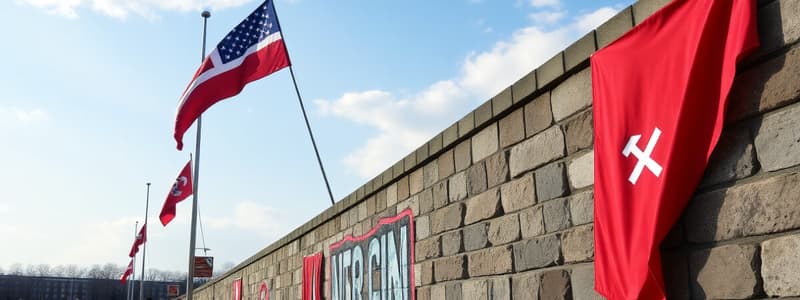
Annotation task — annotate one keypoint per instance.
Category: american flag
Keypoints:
(251, 51)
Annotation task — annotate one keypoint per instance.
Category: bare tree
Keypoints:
(1, 271)
(74, 271)
(43, 270)
(15, 269)
(58, 271)
(30, 270)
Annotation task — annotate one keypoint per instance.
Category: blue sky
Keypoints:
(90, 90)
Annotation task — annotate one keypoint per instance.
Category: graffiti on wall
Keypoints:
(312, 275)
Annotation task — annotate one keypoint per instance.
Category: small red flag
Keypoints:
(128, 272)
(659, 99)
(140, 239)
(181, 189)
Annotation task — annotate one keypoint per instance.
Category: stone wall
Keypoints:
(503, 199)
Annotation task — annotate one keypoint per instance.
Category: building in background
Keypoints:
(14, 287)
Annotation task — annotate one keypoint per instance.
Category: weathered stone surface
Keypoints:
(550, 70)
(430, 174)
(551, 182)
(536, 151)
(581, 208)
(734, 157)
(556, 215)
(538, 115)
(644, 8)
(518, 194)
(451, 243)
(582, 281)
(769, 85)
(483, 113)
(412, 203)
(778, 24)
(402, 189)
(581, 171)
(512, 128)
(447, 218)
(423, 293)
(463, 155)
(475, 237)
(426, 201)
(531, 222)
(457, 187)
(537, 253)
(524, 87)
(578, 244)
(504, 230)
(415, 183)
(476, 179)
(500, 289)
(423, 227)
(555, 285)
(780, 266)
(447, 164)
(435, 144)
(496, 169)
(437, 291)
(492, 261)
(778, 139)
(614, 27)
(391, 195)
(440, 197)
(578, 132)
(760, 207)
(579, 51)
(410, 161)
(501, 102)
(483, 206)
(726, 272)
(449, 268)
(484, 143)
(453, 291)
(466, 124)
(525, 286)
(424, 273)
(572, 95)
(475, 290)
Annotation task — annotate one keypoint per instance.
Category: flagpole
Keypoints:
(303, 109)
(144, 242)
(132, 282)
(192, 238)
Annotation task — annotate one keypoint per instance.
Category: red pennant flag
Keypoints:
(128, 272)
(251, 51)
(659, 100)
(141, 238)
(181, 189)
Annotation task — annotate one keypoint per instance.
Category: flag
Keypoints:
(659, 95)
(251, 51)
(181, 189)
(127, 273)
(140, 239)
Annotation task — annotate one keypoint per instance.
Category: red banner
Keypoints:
(203, 266)
(237, 289)
(312, 277)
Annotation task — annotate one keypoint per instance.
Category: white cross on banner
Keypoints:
(644, 156)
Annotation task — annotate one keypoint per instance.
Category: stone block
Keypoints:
(402, 189)
(726, 272)
(512, 128)
(579, 51)
(415, 183)
(582, 281)
(430, 174)
(440, 197)
(410, 161)
(537, 253)
(645, 8)
(496, 169)
(578, 244)
(446, 164)
(556, 215)
(550, 70)
(447, 218)
(475, 237)
(780, 266)
(767, 86)
(765, 206)
(484, 143)
(525, 286)
(437, 291)
(538, 115)
(435, 144)
(476, 179)
(572, 95)
(450, 135)
(778, 24)
(501, 102)
(451, 243)
(578, 132)
(614, 27)
(734, 157)
(424, 273)
(483, 113)
(457, 187)
(581, 171)
(555, 285)
(524, 87)
(492, 261)
(463, 155)
(778, 139)
(483, 206)
(504, 230)
(449, 268)
(531, 222)
(538, 150)
(453, 291)
(581, 208)
(425, 201)
(551, 182)
(466, 124)
(475, 290)
(391, 195)
(423, 293)
(500, 289)
(518, 194)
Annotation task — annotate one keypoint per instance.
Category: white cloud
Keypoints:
(544, 3)
(33, 115)
(121, 9)
(547, 17)
(65, 8)
(251, 216)
(593, 19)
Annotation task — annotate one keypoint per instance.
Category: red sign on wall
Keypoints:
(172, 290)
(312, 275)
(203, 266)
(237, 289)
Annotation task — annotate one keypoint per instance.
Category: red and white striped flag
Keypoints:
(141, 238)
(128, 272)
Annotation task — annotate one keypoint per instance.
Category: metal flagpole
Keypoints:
(192, 237)
(144, 245)
(303, 109)
(132, 282)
